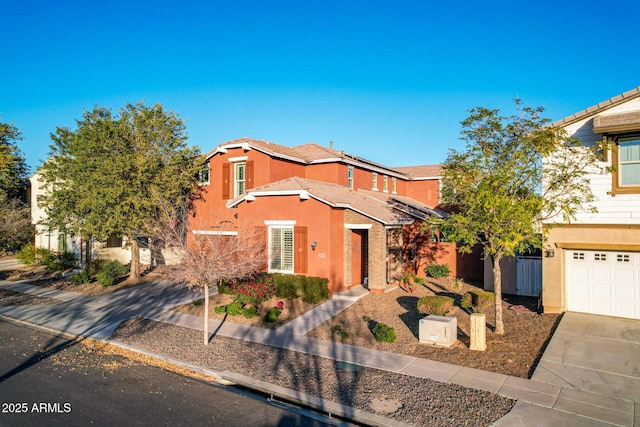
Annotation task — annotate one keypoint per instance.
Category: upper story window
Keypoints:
(350, 177)
(629, 162)
(394, 184)
(240, 179)
(385, 183)
(203, 174)
(374, 181)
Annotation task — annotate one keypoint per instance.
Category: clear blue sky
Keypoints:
(385, 80)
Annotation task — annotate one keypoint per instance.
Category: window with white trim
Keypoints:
(374, 181)
(385, 183)
(281, 249)
(240, 178)
(600, 257)
(394, 183)
(350, 177)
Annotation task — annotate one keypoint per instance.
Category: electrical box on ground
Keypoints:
(438, 330)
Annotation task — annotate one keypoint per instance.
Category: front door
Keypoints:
(359, 250)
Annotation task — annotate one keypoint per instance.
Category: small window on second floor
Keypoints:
(350, 177)
(374, 181)
(203, 175)
(394, 183)
(385, 183)
(240, 178)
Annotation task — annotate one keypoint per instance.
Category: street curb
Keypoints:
(229, 378)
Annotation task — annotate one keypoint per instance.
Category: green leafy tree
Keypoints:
(15, 216)
(107, 176)
(13, 167)
(496, 186)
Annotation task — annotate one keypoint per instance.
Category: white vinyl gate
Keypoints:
(528, 276)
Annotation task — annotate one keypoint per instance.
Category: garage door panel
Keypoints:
(603, 282)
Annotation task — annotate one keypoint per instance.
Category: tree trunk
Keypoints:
(206, 314)
(497, 289)
(135, 259)
(87, 255)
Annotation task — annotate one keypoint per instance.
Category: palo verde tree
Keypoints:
(106, 176)
(15, 218)
(496, 186)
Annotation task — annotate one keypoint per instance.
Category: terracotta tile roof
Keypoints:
(418, 172)
(405, 204)
(313, 152)
(334, 195)
(599, 108)
(270, 148)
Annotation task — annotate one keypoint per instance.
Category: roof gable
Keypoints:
(330, 194)
(598, 108)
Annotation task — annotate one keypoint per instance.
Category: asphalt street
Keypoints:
(48, 379)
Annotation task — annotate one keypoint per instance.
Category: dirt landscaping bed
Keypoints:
(515, 353)
(290, 310)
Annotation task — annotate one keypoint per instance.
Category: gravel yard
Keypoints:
(424, 402)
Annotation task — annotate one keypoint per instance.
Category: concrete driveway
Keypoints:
(594, 361)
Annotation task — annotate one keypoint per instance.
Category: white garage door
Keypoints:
(603, 282)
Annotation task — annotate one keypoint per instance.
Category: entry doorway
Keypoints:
(359, 256)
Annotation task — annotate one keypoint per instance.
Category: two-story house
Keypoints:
(327, 213)
(592, 264)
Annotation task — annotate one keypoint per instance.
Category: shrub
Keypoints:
(437, 270)
(343, 334)
(250, 312)
(58, 260)
(110, 272)
(254, 290)
(234, 308)
(220, 309)
(27, 255)
(198, 302)
(478, 300)
(314, 289)
(272, 315)
(435, 304)
(80, 278)
(384, 333)
(286, 286)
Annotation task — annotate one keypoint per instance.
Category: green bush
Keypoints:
(234, 308)
(286, 286)
(435, 304)
(311, 289)
(384, 333)
(478, 300)
(340, 331)
(220, 309)
(198, 302)
(314, 289)
(110, 272)
(250, 312)
(272, 315)
(27, 255)
(437, 270)
(80, 278)
(58, 260)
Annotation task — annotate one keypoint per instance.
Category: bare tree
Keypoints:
(229, 252)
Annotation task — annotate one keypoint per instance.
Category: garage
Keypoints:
(603, 282)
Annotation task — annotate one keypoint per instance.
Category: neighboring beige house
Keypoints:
(113, 248)
(592, 265)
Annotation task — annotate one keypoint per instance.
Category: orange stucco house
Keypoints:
(327, 213)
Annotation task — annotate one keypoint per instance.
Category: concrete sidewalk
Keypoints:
(551, 398)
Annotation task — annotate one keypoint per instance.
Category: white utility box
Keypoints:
(438, 330)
